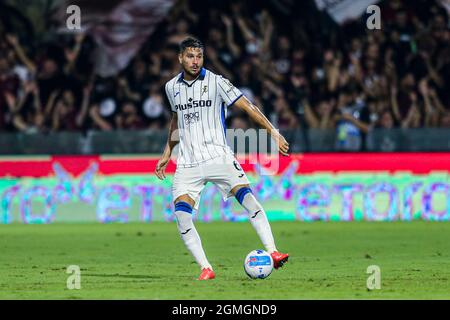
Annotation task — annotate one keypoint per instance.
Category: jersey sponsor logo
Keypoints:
(191, 117)
(193, 104)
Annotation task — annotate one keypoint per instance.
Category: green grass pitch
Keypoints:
(328, 260)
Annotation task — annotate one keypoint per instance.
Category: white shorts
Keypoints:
(225, 172)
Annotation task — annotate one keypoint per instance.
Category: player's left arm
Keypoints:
(257, 116)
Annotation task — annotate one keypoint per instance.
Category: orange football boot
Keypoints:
(279, 259)
(207, 274)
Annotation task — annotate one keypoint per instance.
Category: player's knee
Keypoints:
(186, 199)
(235, 189)
(241, 193)
(183, 213)
(182, 206)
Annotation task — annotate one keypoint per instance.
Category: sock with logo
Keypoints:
(183, 213)
(257, 217)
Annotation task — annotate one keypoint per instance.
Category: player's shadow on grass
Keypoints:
(127, 276)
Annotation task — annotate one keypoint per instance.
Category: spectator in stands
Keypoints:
(128, 117)
(9, 84)
(283, 117)
(336, 79)
(386, 120)
(26, 112)
(444, 121)
(322, 116)
(153, 109)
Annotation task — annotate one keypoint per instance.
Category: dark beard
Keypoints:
(193, 75)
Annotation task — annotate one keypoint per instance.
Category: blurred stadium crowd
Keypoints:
(295, 62)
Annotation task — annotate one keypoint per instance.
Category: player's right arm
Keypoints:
(172, 141)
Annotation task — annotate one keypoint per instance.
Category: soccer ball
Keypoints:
(258, 264)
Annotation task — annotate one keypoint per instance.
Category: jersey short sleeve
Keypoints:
(227, 91)
(169, 98)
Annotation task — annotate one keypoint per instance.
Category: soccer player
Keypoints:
(198, 100)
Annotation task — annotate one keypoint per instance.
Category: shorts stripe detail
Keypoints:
(240, 194)
(183, 206)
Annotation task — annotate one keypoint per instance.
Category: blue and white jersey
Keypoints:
(201, 106)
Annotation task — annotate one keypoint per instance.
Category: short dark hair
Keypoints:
(190, 42)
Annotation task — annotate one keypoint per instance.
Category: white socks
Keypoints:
(259, 221)
(191, 238)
